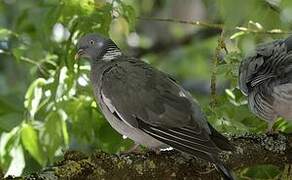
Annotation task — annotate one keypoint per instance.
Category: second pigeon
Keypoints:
(266, 78)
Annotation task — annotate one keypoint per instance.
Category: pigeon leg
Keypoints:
(270, 129)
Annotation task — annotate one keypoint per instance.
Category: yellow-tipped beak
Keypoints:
(79, 54)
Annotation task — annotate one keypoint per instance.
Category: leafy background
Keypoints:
(46, 100)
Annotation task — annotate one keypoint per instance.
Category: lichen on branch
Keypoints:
(250, 150)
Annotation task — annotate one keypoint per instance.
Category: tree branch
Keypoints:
(197, 23)
(250, 150)
(217, 26)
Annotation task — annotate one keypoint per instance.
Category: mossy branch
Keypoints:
(250, 150)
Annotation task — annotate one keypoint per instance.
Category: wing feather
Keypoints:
(197, 146)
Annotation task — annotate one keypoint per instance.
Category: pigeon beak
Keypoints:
(79, 54)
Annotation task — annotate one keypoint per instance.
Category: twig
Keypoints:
(25, 59)
(220, 45)
(28, 60)
(198, 23)
(272, 31)
(216, 26)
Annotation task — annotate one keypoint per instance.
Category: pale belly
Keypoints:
(283, 101)
(135, 134)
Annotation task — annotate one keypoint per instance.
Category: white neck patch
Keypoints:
(111, 54)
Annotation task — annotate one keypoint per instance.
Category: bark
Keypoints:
(250, 150)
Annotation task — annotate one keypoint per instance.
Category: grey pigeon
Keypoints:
(147, 105)
(266, 78)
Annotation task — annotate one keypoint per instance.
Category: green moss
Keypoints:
(120, 164)
(150, 164)
(99, 172)
(275, 143)
(70, 169)
(139, 168)
(74, 155)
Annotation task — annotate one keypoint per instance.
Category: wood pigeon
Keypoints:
(147, 105)
(266, 78)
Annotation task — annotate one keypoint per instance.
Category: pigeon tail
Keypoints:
(220, 141)
(288, 43)
(226, 173)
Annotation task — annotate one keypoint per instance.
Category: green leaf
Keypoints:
(237, 34)
(52, 137)
(17, 53)
(283, 125)
(262, 172)
(30, 141)
(17, 163)
(65, 133)
(8, 141)
(33, 96)
(130, 15)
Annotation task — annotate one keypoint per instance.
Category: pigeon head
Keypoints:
(94, 47)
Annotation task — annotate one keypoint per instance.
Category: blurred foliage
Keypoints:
(46, 100)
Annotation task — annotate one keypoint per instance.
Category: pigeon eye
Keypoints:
(91, 42)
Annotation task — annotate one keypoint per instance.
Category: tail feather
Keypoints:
(221, 141)
(192, 142)
(288, 43)
(226, 173)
